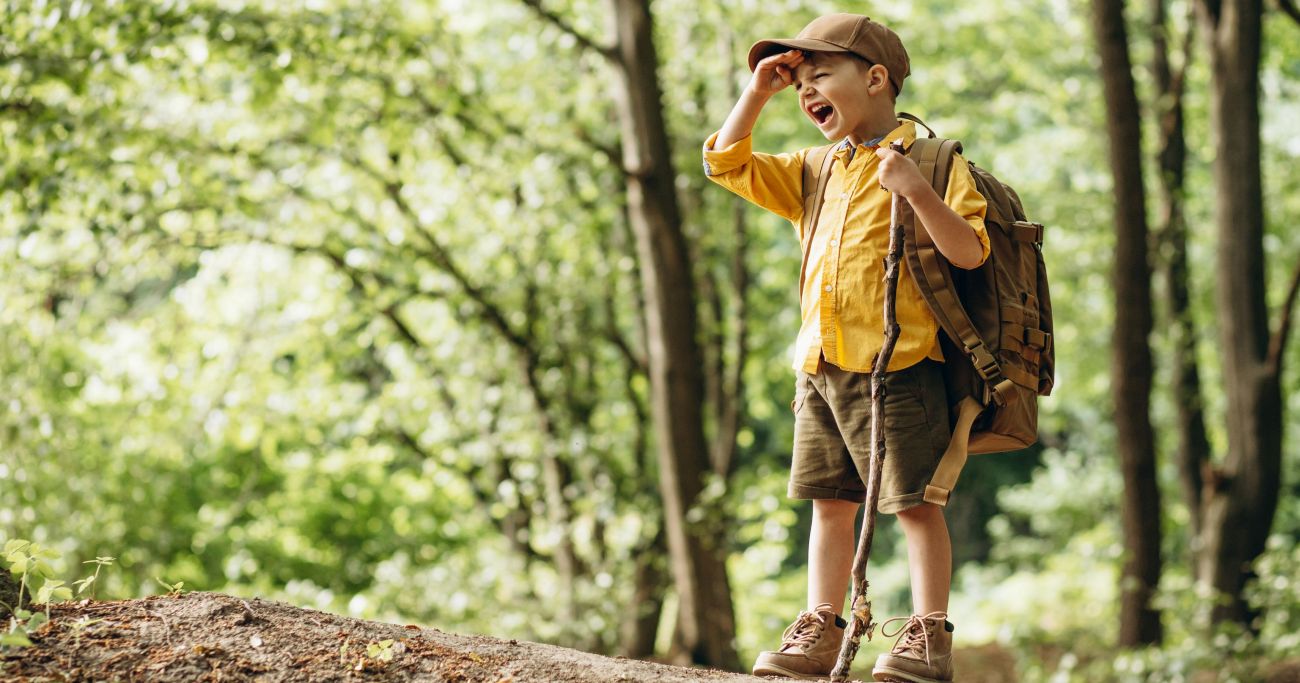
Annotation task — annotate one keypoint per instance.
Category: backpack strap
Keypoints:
(909, 117)
(954, 457)
(816, 174)
(934, 156)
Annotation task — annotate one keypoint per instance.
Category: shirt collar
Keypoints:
(906, 132)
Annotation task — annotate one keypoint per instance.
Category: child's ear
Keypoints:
(877, 79)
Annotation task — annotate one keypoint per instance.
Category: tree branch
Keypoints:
(1277, 343)
(557, 21)
(1289, 8)
(1213, 9)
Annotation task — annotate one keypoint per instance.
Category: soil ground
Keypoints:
(215, 637)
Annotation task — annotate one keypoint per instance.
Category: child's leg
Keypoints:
(810, 646)
(929, 557)
(831, 546)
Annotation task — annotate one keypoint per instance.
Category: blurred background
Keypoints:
(425, 312)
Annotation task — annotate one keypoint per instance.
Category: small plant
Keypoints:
(89, 581)
(376, 656)
(381, 651)
(31, 561)
(173, 589)
(80, 625)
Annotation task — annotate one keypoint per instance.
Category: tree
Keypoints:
(1241, 496)
(1193, 445)
(1131, 351)
(706, 626)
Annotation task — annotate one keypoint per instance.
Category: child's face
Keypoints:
(837, 94)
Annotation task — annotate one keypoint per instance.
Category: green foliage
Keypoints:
(338, 303)
(30, 561)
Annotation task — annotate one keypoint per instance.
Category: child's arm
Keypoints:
(953, 235)
(772, 181)
(771, 76)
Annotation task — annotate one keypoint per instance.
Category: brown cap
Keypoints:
(844, 33)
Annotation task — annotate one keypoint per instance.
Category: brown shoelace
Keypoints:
(913, 636)
(805, 630)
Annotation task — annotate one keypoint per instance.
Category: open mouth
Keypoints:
(821, 113)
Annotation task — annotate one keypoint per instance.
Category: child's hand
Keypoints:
(899, 175)
(774, 73)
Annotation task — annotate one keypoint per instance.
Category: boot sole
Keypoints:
(892, 674)
(775, 670)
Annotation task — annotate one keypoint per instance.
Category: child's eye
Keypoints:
(818, 75)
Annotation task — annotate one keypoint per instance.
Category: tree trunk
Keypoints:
(1239, 510)
(730, 408)
(706, 625)
(1171, 158)
(649, 585)
(1131, 350)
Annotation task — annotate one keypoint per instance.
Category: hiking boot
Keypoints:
(809, 646)
(922, 653)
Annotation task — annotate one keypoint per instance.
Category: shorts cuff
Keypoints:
(805, 492)
(896, 504)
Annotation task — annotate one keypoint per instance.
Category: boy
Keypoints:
(846, 71)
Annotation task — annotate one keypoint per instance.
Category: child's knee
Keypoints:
(833, 508)
(925, 512)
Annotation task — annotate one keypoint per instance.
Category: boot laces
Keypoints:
(913, 636)
(804, 631)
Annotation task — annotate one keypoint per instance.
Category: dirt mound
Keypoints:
(214, 637)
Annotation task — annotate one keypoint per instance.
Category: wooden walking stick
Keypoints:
(861, 623)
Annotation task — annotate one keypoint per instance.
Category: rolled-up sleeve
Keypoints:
(772, 181)
(963, 197)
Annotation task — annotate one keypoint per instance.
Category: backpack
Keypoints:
(997, 316)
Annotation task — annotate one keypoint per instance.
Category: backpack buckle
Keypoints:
(986, 366)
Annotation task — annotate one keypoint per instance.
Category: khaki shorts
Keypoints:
(832, 434)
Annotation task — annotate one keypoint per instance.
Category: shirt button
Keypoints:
(829, 288)
(844, 195)
(835, 243)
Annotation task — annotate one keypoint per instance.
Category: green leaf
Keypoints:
(18, 564)
(38, 620)
(15, 639)
(48, 590)
(15, 545)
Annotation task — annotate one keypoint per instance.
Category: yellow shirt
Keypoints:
(844, 294)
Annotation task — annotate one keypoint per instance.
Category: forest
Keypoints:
(423, 311)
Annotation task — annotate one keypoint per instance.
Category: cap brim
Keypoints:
(766, 48)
